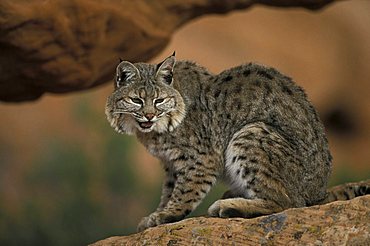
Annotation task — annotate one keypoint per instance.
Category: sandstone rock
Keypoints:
(337, 223)
(67, 45)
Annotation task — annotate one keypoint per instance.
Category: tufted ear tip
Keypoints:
(165, 69)
(120, 60)
(169, 62)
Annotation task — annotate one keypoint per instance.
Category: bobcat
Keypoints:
(250, 126)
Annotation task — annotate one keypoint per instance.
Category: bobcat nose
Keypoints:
(149, 116)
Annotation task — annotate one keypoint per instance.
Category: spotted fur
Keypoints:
(250, 126)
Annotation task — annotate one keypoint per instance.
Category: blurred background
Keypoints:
(68, 179)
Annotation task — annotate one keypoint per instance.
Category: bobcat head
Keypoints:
(144, 98)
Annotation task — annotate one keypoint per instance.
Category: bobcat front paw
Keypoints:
(146, 222)
(157, 218)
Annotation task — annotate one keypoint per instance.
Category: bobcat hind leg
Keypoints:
(259, 171)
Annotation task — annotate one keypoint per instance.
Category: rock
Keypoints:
(337, 223)
(68, 45)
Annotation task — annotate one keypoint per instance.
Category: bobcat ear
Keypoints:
(165, 69)
(126, 73)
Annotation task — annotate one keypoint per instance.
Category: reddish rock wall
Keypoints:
(62, 46)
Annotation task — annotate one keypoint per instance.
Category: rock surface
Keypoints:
(337, 223)
(62, 46)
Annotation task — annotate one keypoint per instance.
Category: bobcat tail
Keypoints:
(347, 191)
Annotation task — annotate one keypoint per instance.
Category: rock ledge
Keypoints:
(336, 223)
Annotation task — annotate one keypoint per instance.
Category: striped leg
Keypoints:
(167, 189)
(192, 184)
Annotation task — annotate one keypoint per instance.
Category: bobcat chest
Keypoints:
(162, 147)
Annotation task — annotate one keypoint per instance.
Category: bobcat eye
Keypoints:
(160, 100)
(136, 100)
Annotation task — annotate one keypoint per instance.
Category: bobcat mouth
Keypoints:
(146, 125)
